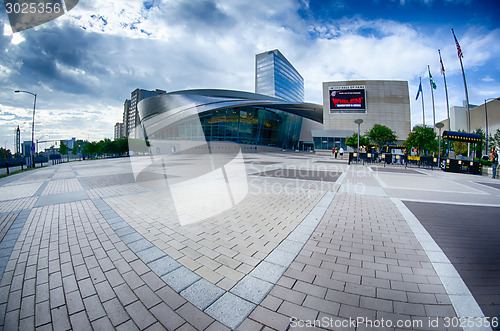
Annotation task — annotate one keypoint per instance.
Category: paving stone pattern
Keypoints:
(85, 247)
(362, 260)
(469, 236)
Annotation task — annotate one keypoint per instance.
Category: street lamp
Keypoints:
(358, 122)
(439, 126)
(32, 149)
(486, 119)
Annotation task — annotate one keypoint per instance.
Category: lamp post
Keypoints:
(32, 149)
(486, 119)
(439, 126)
(358, 122)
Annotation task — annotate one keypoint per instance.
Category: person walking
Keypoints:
(494, 161)
(341, 152)
(336, 152)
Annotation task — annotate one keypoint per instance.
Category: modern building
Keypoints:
(126, 107)
(374, 101)
(458, 118)
(180, 120)
(17, 141)
(26, 146)
(487, 114)
(69, 143)
(275, 76)
(485, 117)
(130, 112)
(119, 131)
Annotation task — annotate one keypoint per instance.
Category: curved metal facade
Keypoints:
(225, 115)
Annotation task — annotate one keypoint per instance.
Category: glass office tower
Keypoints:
(276, 77)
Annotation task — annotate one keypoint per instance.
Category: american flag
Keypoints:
(459, 50)
(441, 61)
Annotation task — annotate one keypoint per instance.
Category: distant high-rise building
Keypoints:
(69, 143)
(276, 77)
(126, 107)
(119, 131)
(26, 146)
(17, 142)
(131, 113)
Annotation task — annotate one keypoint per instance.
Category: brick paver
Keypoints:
(85, 246)
(469, 237)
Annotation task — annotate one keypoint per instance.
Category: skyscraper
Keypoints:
(130, 112)
(119, 131)
(276, 77)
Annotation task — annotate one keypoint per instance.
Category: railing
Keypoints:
(384, 159)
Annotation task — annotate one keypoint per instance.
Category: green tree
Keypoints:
(478, 147)
(352, 141)
(5, 153)
(423, 138)
(74, 151)
(91, 149)
(63, 149)
(106, 146)
(122, 146)
(491, 143)
(381, 135)
(460, 147)
(495, 140)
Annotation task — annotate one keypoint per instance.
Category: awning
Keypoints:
(462, 136)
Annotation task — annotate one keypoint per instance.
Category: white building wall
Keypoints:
(387, 103)
(458, 118)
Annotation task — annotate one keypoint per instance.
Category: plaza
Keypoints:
(297, 240)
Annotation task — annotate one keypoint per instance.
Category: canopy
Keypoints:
(462, 136)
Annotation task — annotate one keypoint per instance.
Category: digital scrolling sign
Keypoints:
(347, 98)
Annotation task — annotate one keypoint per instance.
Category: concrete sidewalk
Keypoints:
(312, 242)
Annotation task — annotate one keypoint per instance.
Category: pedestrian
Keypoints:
(341, 152)
(333, 151)
(336, 152)
(494, 161)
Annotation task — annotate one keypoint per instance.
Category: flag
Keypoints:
(459, 50)
(441, 61)
(419, 90)
(432, 80)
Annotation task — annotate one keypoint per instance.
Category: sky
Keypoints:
(84, 64)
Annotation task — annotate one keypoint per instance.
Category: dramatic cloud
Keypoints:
(83, 65)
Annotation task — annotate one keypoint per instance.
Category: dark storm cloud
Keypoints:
(49, 56)
(199, 14)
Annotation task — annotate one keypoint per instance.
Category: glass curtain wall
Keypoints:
(277, 78)
(329, 142)
(245, 125)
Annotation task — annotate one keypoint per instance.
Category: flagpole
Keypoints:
(446, 92)
(460, 56)
(445, 89)
(423, 109)
(432, 95)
